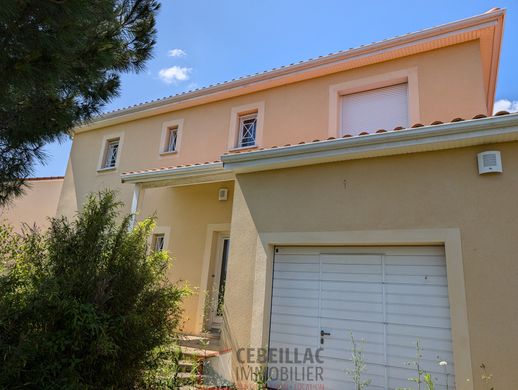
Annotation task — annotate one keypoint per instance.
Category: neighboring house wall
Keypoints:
(36, 206)
(449, 85)
(357, 202)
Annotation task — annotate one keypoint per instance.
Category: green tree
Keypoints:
(85, 305)
(60, 63)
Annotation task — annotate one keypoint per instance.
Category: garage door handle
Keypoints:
(322, 334)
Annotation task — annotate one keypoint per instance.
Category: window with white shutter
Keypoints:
(382, 108)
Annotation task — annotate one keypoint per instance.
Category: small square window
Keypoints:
(158, 242)
(110, 154)
(247, 130)
(172, 137)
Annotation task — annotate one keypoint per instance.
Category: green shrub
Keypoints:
(85, 305)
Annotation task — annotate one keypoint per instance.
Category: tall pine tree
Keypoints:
(60, 62)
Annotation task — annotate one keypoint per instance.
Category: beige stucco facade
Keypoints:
(29, 209)
(186, 215)
(415, 199)
(205, 131)
(415, 194)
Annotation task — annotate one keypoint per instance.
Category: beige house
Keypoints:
(29, 210)
(343, 194)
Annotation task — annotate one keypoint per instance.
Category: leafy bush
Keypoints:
(85, 305)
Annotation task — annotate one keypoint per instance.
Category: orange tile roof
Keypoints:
(362, 134)
(206, 163)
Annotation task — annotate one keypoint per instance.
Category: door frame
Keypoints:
(216, 321)
(450, 238)
(212, 230)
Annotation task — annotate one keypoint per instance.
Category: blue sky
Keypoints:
(202, 42)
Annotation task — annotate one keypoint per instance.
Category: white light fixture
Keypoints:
(223, 194)
(489, 162)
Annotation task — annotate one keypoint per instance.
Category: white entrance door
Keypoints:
(220, 278)
(388, 297)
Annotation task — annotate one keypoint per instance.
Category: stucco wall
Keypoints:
(415, 191)
(450, 84)
(36, 206)
(184, 213)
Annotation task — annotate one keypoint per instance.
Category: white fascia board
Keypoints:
(189, 172)
(421, 139)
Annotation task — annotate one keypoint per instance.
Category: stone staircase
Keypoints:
(195, 350)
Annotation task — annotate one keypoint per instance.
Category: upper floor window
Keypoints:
(246, 126)
(158, 242)
(247, 130)
(172, 137)
(110, 153)
(375, 109)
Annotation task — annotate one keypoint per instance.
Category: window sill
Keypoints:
(109, 169)
(168, 153)
(242, 148)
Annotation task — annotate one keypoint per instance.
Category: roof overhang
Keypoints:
(179, 176)
(421, 139)
(487, 28)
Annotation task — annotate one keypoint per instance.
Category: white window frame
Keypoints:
(241, 130)
(172, 137)
(160, 231)
(336, 91)
(236, 115)
(107, 139)
(110, 154)
(167, 127)
(156, 239)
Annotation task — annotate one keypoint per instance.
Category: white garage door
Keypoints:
(388, 297)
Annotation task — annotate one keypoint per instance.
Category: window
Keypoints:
(110, 154)
(247, 130)
(246, 126)
(172, 136)
(382, 108)
(158, 242)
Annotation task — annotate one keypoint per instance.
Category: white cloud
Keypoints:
(176, 53)
(505, 105)
(174, 74)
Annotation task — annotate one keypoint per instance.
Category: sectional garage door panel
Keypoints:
(388, 297)
(295, 301)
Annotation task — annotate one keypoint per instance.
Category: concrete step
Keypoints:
(211, 345)
(195, 382)
(197, 353)
(208, 387)
(186, 365)
(200, 346)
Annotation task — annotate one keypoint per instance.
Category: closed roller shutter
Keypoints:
(390, 297)
(382, 108)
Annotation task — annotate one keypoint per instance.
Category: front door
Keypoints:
(387, 299)
(220, 277)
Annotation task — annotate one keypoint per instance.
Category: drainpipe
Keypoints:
(134, 204)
